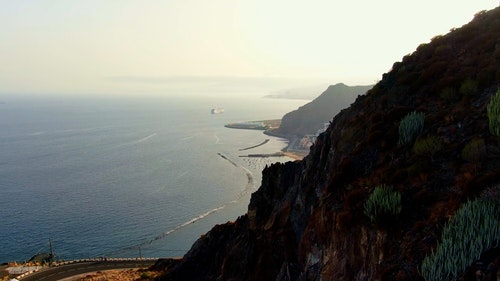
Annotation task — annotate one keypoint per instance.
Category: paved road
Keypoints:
(65, 271)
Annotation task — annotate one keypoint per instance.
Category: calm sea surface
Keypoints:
(126, 177)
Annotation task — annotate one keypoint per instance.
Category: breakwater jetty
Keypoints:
(260, 144)
(270, 127)
(276, 154)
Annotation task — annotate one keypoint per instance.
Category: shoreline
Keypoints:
(294, 156)
(268, 127)
(287, 151)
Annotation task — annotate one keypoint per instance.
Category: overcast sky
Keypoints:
(105, 46)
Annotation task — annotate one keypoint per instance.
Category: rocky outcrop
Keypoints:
(306, 221)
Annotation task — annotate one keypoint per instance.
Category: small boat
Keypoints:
(217, 110)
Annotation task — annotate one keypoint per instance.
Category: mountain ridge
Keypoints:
(311, 117)
(308, 219)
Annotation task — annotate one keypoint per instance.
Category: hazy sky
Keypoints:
(108, 46)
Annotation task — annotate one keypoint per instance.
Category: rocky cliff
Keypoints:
(310, 219)
(312, 116)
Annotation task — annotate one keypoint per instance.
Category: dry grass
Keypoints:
(116, 275)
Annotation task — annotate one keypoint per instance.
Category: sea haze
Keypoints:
(126, 177)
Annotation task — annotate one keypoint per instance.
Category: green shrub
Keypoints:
(449, 94)
(418, 167)
(468, 87)
(474, 229)
(383, 203)
(428, 146)
(474, 151)
(410, 127)
(493, 110)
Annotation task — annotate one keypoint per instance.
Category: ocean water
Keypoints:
(126, 177)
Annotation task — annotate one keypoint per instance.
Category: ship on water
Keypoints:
(217, 110)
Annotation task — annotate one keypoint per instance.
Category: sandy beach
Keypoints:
(268, 127)
(294, 156)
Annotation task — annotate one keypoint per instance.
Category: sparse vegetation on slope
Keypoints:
(308, 219)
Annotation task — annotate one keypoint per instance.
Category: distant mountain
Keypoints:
(312, 116)
(299, 93)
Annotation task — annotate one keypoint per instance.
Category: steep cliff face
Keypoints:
(307, 220)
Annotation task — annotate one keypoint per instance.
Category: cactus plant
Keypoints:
(474, 229)
(410, 127)
(493, 110)
(382, 202)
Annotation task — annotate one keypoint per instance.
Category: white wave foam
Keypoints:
(191, 221)
(36, 134)
(137, 141)
(191, 136)
(248, 188)
(145, 138)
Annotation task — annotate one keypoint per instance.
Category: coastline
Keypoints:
(288, 151)
(268, 127)
(124, 154)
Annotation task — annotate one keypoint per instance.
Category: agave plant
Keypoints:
(474, 229)
(383, 202)
(493, 110)
(410, 127)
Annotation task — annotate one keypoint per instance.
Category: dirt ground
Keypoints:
(115, 275)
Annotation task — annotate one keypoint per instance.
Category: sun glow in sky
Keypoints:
(107, 46)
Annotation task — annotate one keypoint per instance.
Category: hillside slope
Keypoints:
(308, 221)
(311, 117)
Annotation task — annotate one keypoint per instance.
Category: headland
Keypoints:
(256, 125)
